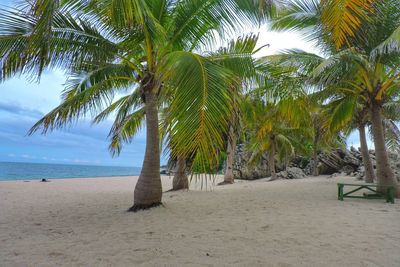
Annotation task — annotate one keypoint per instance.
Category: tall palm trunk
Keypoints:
(315, 154)
(384, 172)
(180, 180)
(315, 159)
(230, 151)
(369, 170)
(148, 190)
(271, 160)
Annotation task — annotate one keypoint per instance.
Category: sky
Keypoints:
(23, 102)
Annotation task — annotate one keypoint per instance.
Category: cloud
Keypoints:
(82, 143)
(26, 156)
(14, 108)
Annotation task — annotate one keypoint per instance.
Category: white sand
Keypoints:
(82, 222)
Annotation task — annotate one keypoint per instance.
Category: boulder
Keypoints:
(295, 173)
(337, 161)
(282, 175)
(348, 169)
(243, 169)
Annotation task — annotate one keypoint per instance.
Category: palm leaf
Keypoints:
(390, 46)
(200, 109)
(124, 129)
(86, 94)
(343, 18)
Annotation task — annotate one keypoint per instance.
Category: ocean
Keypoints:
(36, 171)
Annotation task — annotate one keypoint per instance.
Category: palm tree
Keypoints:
(347, 114)
(274, 125)
(364, 62)
(373, 82)
(180, 180)
(322, 137)
(229, 177)
(141, 48)
(244, 48)
(292, 72)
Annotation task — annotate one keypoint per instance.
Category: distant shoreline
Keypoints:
(65, 178)
(36, 171)
(68, 164)
(75, 178)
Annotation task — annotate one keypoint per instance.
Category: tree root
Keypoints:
(138, 207)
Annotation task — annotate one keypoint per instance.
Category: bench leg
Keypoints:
(340, 192)
(390, 195)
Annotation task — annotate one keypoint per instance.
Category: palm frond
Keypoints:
(298, 15)
(200, 109)
(390, 46)
(342, 113)
(124, 129)
(343, 18)
(237, 56)
(392, 135)
(86, 94)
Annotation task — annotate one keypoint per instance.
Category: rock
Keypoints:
(243, 169)
(347, 169)
(282, 175)
(295, 173)
(291, 173)
(337, 159)
(299, 162)
(334, 175)
(335, 162)
(359, 177)
(332, 160)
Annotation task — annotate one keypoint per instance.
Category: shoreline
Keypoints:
(69, 178)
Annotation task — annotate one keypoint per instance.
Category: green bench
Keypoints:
(389, 196)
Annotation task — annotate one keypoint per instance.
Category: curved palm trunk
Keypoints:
(384, 172)
(148, 190)
(369, 169)
(271, 161)
(230, 151)
(180, 180)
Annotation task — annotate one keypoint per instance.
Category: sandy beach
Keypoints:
(82, 222)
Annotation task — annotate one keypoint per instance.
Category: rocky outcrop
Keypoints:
(335, 162)
(243, 169)
(338, 160)
(291, 173)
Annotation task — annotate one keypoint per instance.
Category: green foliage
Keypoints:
(114, 52)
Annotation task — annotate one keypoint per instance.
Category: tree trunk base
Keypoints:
(180, 182)
(225, 183)
(138, 207)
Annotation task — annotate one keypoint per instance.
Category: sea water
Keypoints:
(35, 171)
